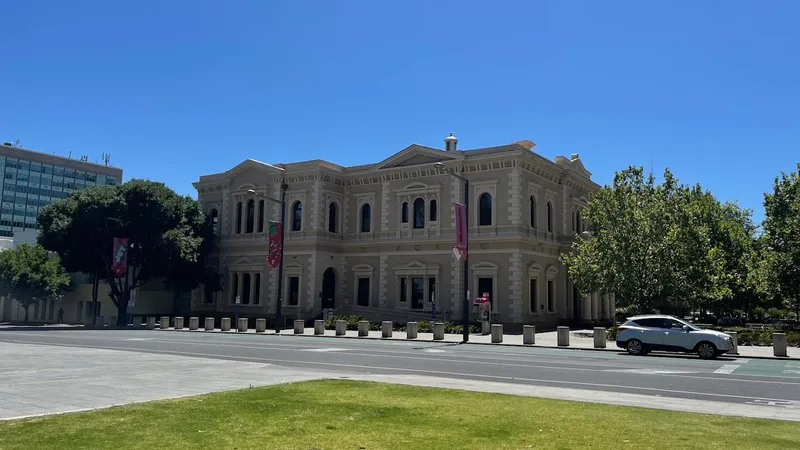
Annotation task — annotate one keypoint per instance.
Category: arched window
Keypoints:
(578, 222)
(214, 221)
(238, 217)
(549, 217)
(434, 211)
(485, 209)
(419, 213)
(333, 217)
(251, 215)
(261, 216)
(404, 212)
(297, 216)
(366, 218)
(533, 212)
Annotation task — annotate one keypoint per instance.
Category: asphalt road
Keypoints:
(743, 381)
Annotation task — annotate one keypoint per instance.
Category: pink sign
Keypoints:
(461, 227)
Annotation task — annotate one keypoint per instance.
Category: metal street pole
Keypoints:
(465, 306)
(465, 303)
(279, 305)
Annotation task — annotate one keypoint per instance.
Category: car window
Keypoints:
(651, 323)
(674, 324)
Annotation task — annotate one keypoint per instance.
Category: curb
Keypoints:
(588, 349)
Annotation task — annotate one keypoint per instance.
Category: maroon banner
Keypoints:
(461, 229)
(119, 259)
(274, 257)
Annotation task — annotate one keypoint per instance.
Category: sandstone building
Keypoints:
(377, 239)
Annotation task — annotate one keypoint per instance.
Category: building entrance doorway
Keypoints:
(329, 288)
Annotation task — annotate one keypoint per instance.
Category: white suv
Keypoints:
(642, 334)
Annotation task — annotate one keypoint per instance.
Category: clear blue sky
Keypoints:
(178, 88)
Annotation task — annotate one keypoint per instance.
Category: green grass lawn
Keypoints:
(356, 415)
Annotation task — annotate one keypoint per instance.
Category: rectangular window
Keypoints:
(363, 291)
(551, 300)
(432, 289)
(403, 289)
(294, 291)
(534, 305)
(235, 288)
(417, 293)
(257, 293)
(246, 279)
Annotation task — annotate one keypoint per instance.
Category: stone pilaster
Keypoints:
(382, 274)
(385, 207)
(311, 294)
(586, 309)
(515, 197)
(346, 211)
(225, 213)
(317, 206)
(595, 306)
(345, 278)
(566, 227)
(515, 287)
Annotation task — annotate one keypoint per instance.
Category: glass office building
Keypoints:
(30, 180)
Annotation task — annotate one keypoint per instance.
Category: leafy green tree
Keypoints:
(631, 251)
(782, 236)
(30, 274)
(666, 247)
(167, 235)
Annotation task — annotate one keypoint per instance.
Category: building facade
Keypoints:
(377, 240)
(30, 180)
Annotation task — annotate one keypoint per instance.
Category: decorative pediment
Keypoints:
(363, 268)
(485, 265)
(252, 164)
(573, 162)
(534, 270)
(414, 155)
(243, 262)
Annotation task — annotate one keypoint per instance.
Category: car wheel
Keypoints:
(706, 350)
(635, 347)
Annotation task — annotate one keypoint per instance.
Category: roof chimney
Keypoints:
(574, 156)
(450, 143)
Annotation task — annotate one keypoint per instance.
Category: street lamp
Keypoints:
(282, 202)
(465, 305)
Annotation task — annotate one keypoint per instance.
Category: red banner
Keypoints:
(274, 257)
(461, 229)
(119, 259)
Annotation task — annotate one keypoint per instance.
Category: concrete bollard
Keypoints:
(138, 322)
(178, 323)
(363, 328)
(411, 330)
(600, 337)
(194, 323)
(497, 333)
(386, 329)
(243, 322)
(528, 334)
(341, 327)
(209, 325)
(319, 327)
(779, 344)
(151, 322)
(438, 331)
(563, 336)
(225, 324)
(164, 322)
(261, 325)
(735, 337)
(299, 326)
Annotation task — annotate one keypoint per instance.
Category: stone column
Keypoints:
(586, 309)
(243, 218)
(253, 288)
(595, 306)
(612, 306)
(229, 294)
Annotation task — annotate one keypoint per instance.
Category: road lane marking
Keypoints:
(727, 368)
(441, 372)
(432, 350)
(324, 350)
(649, 371)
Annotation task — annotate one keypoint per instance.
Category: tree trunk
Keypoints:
(26, 312)
(122, 312)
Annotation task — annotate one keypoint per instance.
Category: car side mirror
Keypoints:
(685, 328)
